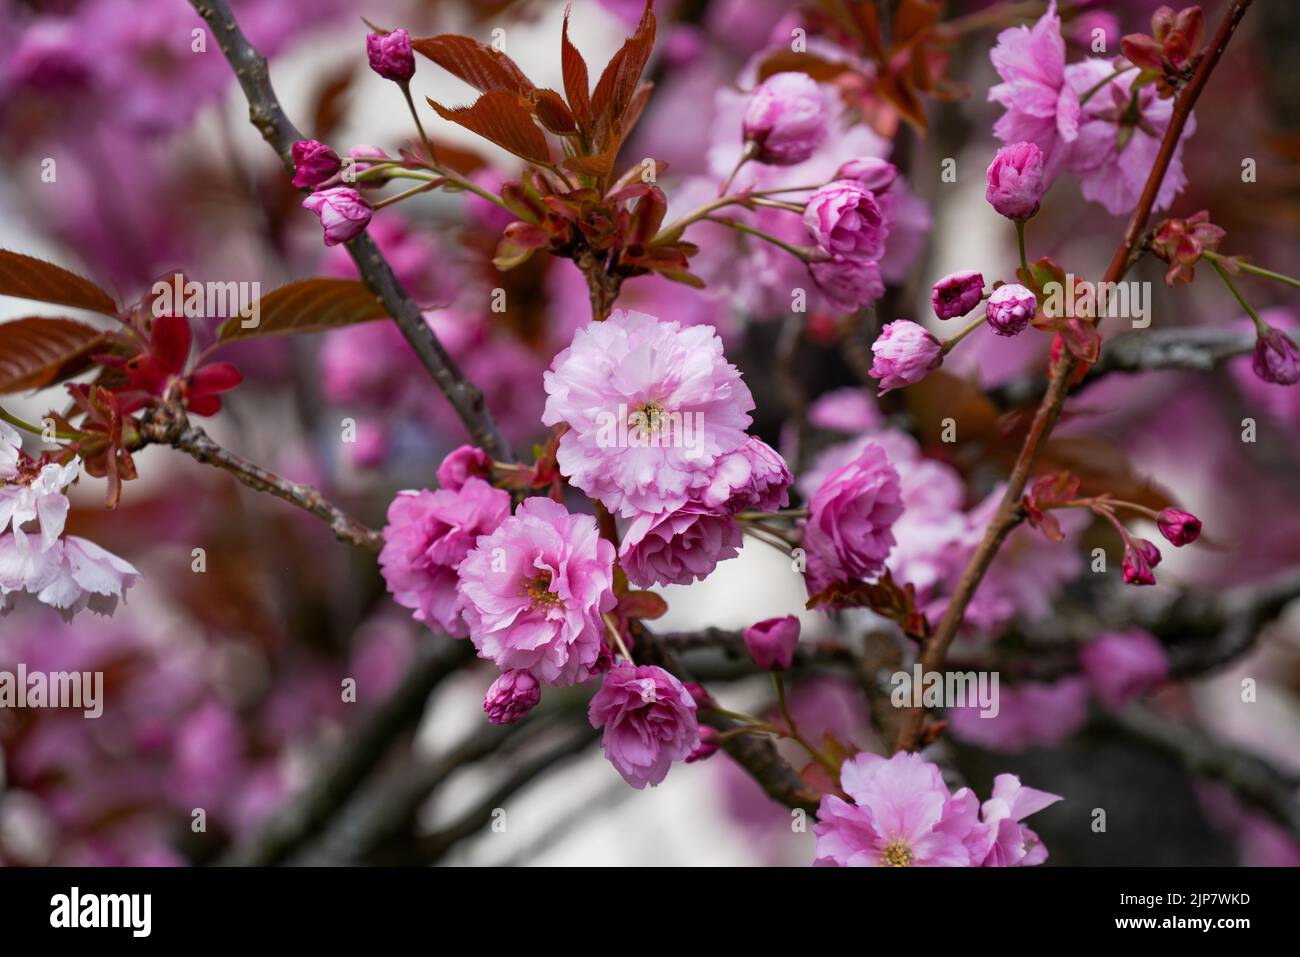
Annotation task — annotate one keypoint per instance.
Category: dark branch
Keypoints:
(265, 113)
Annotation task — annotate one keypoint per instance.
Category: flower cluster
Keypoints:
(66, 572)
(903, 815)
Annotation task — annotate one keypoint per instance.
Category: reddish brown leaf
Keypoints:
(505, 119)
(577, 86)
(27, 277)
(912, 22)
(332, 102)
(477, 64)
(788, 61)
(646, 605)
(618, 82)
(39, 351)
(309, 305)
(549, 108)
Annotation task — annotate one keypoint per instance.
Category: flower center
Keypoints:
(896, 854)
(538, 590)
(647, 416)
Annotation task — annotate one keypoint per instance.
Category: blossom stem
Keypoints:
(612, 627)
(791, 513)
(766, 237)
(413, 191)
(773, 204)
(1020, 243)
(747, 154)
(766, 537)
(1096, 88)
(405, 86)
(1260, 325)
(23, 424)
(1254, 270)
(794, 734)
(958, 337)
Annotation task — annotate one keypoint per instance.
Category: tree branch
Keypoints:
(265, 113)
(308, 812)
(172, 429)
(935, 648)
(1249, 777)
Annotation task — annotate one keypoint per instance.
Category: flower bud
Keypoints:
(905, 353)
(313, 163)
(707, 747)
(1010, 308)
(1276, 359)
(390, 55)
(771, 642)
(845, 220)
(512, 696)
(1179, 527)
(957, 294)
(344, 213)
(461, 464)
(1015, 181)
(874, 174)
(360, 154)
(1140, 556)
(786, 119)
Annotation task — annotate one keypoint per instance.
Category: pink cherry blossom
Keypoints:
(634, 369)
(534, 592)
(1122, 666)
(648, 719)
(427, 536)
(904, 354)
(848, 533)
(786, 119)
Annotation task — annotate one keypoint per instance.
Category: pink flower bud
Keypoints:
(848, 284)
(344, 213)
(771, 642)
(700, 695)
(463, 464)
(786, 119)
(707, 747)
(1140, 556)
(1016, 180)
(1179, 527)
(390, 55)
(845, 220)
(1123, 665)
(1010, 309)
(957, 294)
(313, 163)
(874, 174)
(1276, 359)
(512, 696)
(905, 353)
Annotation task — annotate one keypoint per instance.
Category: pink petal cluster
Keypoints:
(957, 294)
(648, 719)
(1041, 107)
(427, 536)
(1122, 666)
(67, 573)
(903, 815)
(390, 55)
(533, 592)
(772, 641)
(848, 534)
(845, 220)
(787, 119)
(1010, 308)
(313, 163)
(511, 696)
(1276, 358)
(904, 353)
(463, 464)
(344, 213)
(635, 369)
(1016, 180)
